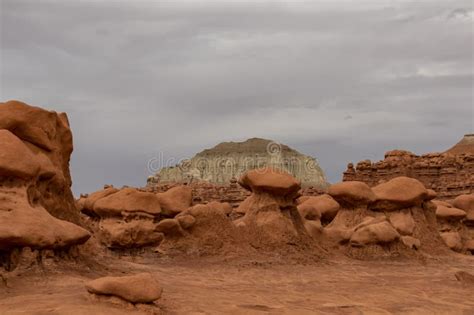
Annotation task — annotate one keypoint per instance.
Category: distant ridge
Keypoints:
(465, 146)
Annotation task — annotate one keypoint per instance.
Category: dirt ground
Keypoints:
(206, 286)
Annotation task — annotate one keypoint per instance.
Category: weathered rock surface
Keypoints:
(139, 288)
(35, 149)
(35, 194)
(22, 225)
(449, 174)
(230, 160)
(453, 240)
(325, 205)
(138, 232)
(375, 233)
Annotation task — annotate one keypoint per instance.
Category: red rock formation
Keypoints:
(450, 174)
(35, 147)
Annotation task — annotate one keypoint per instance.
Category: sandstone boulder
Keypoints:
(117, 233)
(352, 193)
(325, 205)
(11, 165)
(464, 202)
(377, 233)
(175, 200)
(410, 242)
(127, 200)
(398, 193)
(91, 199)
(449, 213)
(403, 222)
(452, 240)
(139, 288)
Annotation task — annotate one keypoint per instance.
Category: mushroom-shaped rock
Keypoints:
(16, 159)
(464, 202)
(325, 205)
(127, 200)
(449, 213)
(378, 233)
(271, 180)
(22, 225)
(139, 288)
(452, 240)
(175, 200)
(398, 193)
(403, 222)
(352, 193)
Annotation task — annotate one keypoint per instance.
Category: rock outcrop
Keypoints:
(229, 160)
(449, 174)
(394, 217)
(124, 218)
(38, 146)
(35, 195)
(456, 223)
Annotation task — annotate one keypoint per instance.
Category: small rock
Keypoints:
(139, 288)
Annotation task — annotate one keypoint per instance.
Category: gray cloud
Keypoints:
(142, 78)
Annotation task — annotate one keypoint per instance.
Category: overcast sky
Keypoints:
(339, 80)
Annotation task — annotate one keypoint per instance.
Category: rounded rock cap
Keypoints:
(270, 180)
(352, 193)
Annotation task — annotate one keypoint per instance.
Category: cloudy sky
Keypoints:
(338, 80)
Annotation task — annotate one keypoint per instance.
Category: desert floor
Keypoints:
(228, 286)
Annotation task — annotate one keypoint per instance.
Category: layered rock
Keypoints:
(35, 194)
(230, 160)
(450, 174)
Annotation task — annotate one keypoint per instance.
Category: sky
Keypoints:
(341, 81)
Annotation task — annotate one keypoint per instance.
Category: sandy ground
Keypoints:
(256, 287)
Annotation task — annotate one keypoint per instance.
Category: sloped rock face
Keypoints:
(393, 218)
(35, 194)
(449, 174)
(230, 160)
